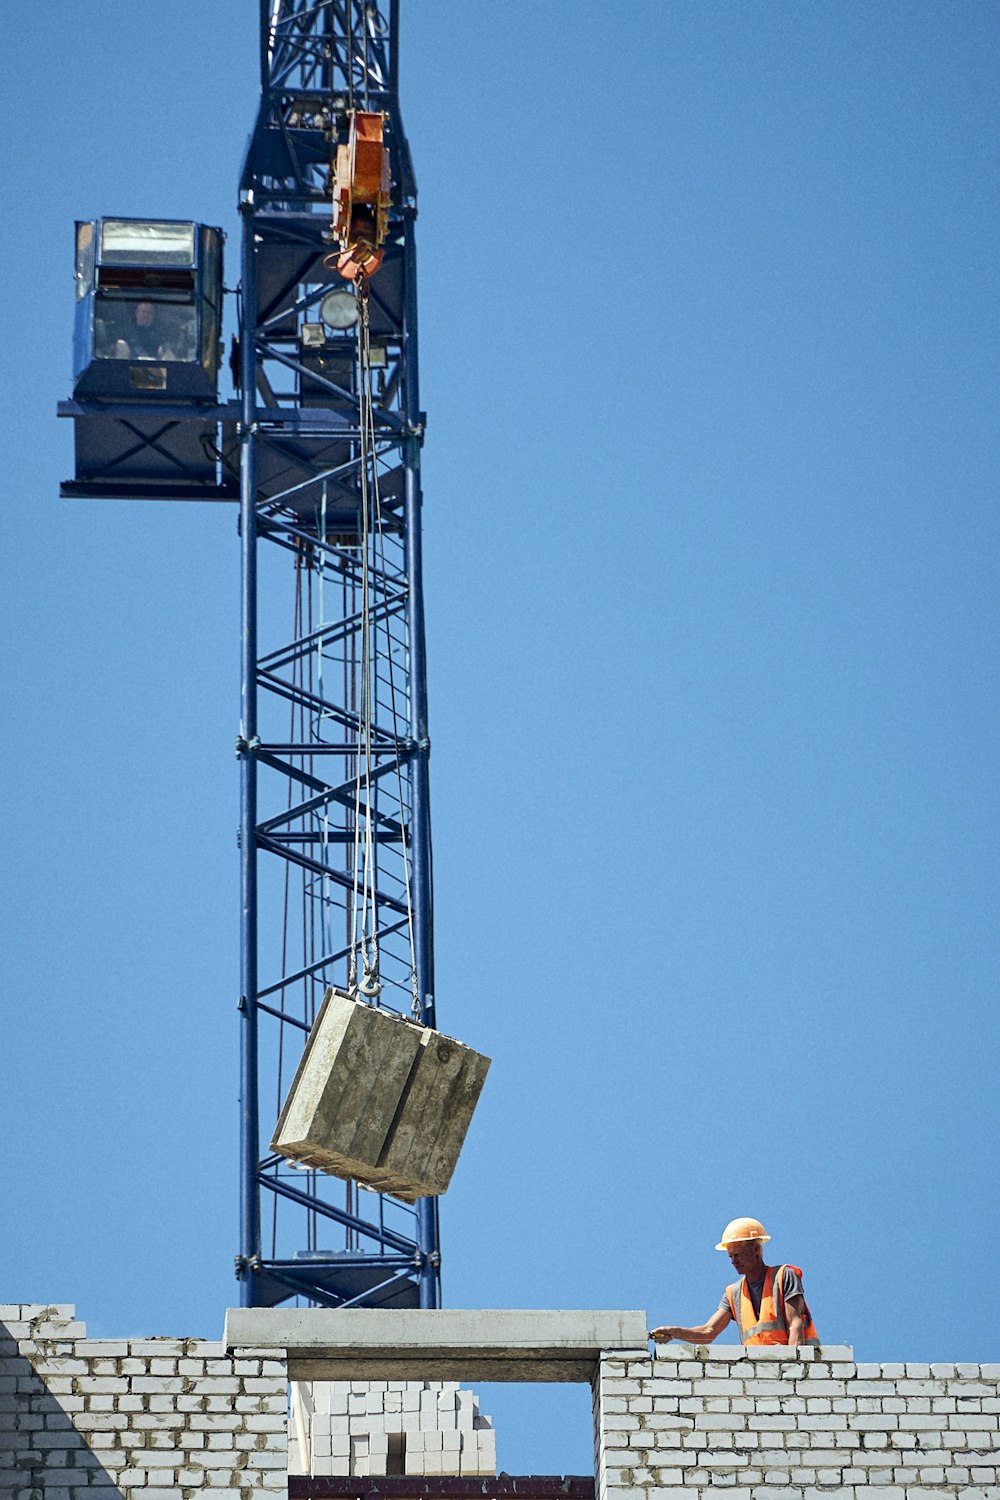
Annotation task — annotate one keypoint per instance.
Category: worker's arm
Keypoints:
(703, 1335)
(798, 1320)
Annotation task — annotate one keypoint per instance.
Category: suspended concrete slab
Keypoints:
(380, 1099)
(366, 1343)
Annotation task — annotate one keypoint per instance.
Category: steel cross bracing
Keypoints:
(300, 462)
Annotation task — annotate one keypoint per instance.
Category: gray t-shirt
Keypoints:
(791, 1286)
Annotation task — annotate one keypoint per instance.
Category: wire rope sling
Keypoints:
(378, 1097)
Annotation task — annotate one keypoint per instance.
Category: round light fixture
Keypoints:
(339, 310)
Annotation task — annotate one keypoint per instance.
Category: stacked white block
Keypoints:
(388, 1427)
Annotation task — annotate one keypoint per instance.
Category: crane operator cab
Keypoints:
(148, 310)
(146, 352)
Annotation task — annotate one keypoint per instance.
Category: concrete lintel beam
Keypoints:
(469, 1368)
(449, 1344)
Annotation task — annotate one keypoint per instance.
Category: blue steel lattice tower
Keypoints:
(303, 465)
(322, 451)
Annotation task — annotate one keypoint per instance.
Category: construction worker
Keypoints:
(767, 1304)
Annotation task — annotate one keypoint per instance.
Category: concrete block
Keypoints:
(380, 1099)
(436, 1112)
(490, 1344)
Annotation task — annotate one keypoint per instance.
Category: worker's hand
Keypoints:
(662, 1335)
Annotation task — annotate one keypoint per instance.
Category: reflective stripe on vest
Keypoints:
(770, 1325)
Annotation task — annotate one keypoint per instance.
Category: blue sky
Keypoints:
(709, 350)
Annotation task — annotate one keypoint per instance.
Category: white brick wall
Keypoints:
(144, 1419)
(770, 1424)
(388, 1427)
(168, 1419)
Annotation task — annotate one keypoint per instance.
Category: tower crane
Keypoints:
(320, 449)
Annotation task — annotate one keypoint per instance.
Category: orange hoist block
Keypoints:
(362, 181)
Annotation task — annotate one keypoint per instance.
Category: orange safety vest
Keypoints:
(770, 1326)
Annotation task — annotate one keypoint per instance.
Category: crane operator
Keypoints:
(767, 1304)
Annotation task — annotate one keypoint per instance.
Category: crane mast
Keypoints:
(321, 450)
(336, 681)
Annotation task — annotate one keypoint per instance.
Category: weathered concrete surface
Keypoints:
(380, 1099)
(449, 1344)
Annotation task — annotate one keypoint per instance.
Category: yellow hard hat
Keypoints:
(742, 1229)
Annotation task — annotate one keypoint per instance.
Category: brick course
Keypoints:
(144, 1419)
(772, 1424)
(171, 1419)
